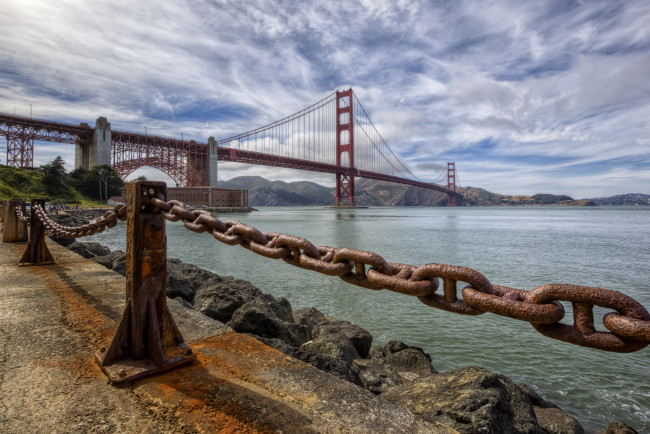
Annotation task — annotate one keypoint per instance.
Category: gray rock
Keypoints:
(324, 363)
(63, 241)
(220, 299)
(379, 373)
(470, 400)
(119, 263)
(359, 337)
(555, 421)
(183, 280)
(375, 375)
(283, 309)
(309, 316)
(89, 250)
(411, 360)
(184, 302)
(115, 261)
(393, 347)
(534, 397)
(336, 346)
(618, 428)
(259, 316)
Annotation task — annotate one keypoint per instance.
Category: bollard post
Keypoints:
(14, 228)
(147, 340)
(37, 252)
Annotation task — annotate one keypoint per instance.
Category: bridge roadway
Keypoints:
(54, 318)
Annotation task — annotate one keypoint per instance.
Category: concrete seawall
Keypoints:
(54, 318)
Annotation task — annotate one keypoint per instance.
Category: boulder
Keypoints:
(392, 365)
(63, 241)
(324, 363)
(283, 310)
(618, 428)
(411, 360)
(470, 400)
(219, 299)
(259, 316)
(375, 375)
(115, 261)
(309, 316)
(359, 337)
(89, 250)
(555, 421)
(335, 346)
(183, 280)
(119, 263)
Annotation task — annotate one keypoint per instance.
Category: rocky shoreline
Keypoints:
(469, 400)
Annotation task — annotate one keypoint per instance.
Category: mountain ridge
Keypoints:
(263, 192)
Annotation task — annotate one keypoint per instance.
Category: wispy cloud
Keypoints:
(524, 96)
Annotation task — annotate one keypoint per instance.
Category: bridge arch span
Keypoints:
(178, 174)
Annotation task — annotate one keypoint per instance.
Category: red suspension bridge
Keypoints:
(335, 135)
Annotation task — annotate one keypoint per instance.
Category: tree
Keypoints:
(101, 182)
(109, 182)
(55, 177)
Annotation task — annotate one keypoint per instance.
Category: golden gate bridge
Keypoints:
(334, 135)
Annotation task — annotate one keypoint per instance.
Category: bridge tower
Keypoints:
(344, 145)
(451, 184)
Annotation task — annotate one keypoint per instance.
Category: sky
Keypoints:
(525, 97)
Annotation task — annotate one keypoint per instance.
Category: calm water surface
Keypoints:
(522, 247)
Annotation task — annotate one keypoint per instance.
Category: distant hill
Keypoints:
(262, 192)
(368, 192)
(474, 196)
(623, 199)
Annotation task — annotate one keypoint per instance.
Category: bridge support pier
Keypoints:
(213, 167)
(15, 230)
(98, 152)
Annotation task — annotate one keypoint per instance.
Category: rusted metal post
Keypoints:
(147, 340)
(37, 252)
(14, 228)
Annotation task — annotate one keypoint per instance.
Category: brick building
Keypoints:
(212, 197)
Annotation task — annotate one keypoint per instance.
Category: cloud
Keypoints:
(487, 85)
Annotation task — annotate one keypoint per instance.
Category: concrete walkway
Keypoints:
(54, 318)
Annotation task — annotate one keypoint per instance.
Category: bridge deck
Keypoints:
(53, 319)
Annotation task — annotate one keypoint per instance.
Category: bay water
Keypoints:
(521, 247)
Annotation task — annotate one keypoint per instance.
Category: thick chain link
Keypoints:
(108, 220)
(19, 214)
(629, 326)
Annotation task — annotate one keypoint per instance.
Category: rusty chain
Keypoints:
(19, 214)
(108, 220)
(629, 326)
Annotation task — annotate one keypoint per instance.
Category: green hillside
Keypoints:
(17, 183)
(20, 183)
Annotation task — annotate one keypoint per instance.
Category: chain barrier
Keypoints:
(108, 220)
(629, 326)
